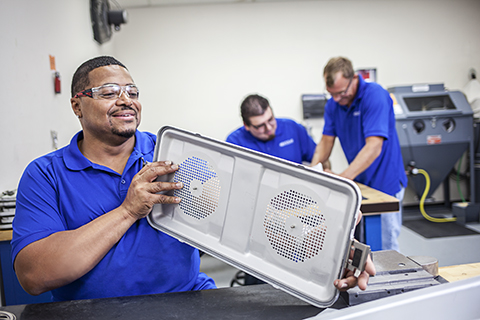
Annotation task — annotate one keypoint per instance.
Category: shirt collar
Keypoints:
(75, 160)
(280, 128)
(360, 91)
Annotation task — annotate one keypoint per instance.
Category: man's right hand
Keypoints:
(143, 191)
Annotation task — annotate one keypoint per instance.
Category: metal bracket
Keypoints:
(360, 254)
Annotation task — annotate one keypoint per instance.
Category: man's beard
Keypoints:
(270, 137)
(125, 134)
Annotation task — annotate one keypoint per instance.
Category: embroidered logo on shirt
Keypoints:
(286, 142)
(356, 113)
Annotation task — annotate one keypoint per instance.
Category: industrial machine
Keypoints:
(435, 128)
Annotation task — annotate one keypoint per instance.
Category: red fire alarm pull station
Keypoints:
(57, 82)
(56, 75)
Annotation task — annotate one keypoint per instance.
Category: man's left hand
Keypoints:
(350, 281)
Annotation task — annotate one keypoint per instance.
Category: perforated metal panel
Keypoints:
(201, 189)
(295, 226)
(281, 222)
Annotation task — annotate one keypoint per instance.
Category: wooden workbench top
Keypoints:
(375, 202)
(460, 272)
(5, 235)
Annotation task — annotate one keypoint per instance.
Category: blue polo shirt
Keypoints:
(370, 114)
(291, 141)
(63, 190)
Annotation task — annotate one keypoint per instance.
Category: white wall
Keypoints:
(32, 30)
(194, 64)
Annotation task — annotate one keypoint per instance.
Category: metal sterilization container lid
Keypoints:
(284, 223)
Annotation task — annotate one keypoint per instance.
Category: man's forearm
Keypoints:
(63, 257)
(322, 151)
(364, 158)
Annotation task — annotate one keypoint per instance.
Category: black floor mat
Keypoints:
(429, 229)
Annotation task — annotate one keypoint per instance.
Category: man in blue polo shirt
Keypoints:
(261, 131)
(288, 140)
(79, 227)
(361, 115)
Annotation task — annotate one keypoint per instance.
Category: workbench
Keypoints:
(12, 292)
(247, 302)
(374, 203)
(460, 272)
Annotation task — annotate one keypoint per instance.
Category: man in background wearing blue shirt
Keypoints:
(288, 140)
(261, 131)
(361, 115)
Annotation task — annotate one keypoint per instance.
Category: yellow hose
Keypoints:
(424, 196)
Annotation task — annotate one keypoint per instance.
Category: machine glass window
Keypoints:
(429, 103)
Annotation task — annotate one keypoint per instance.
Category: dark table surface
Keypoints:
(246, 302)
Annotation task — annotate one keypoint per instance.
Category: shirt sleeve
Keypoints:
(204, 282)
(376, 107)
(328, 117)
(231, 139)
(36, 213)
(307, 144)
(234, 137)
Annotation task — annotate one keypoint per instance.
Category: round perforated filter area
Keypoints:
(201, 188)
(294, 226)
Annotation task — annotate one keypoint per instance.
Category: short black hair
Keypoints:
(80, 78)
(253, 105)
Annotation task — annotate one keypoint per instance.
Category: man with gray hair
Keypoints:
(361, 115)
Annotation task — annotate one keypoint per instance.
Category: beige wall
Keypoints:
(194, 64)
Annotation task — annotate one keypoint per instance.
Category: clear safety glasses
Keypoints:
(110, 92)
